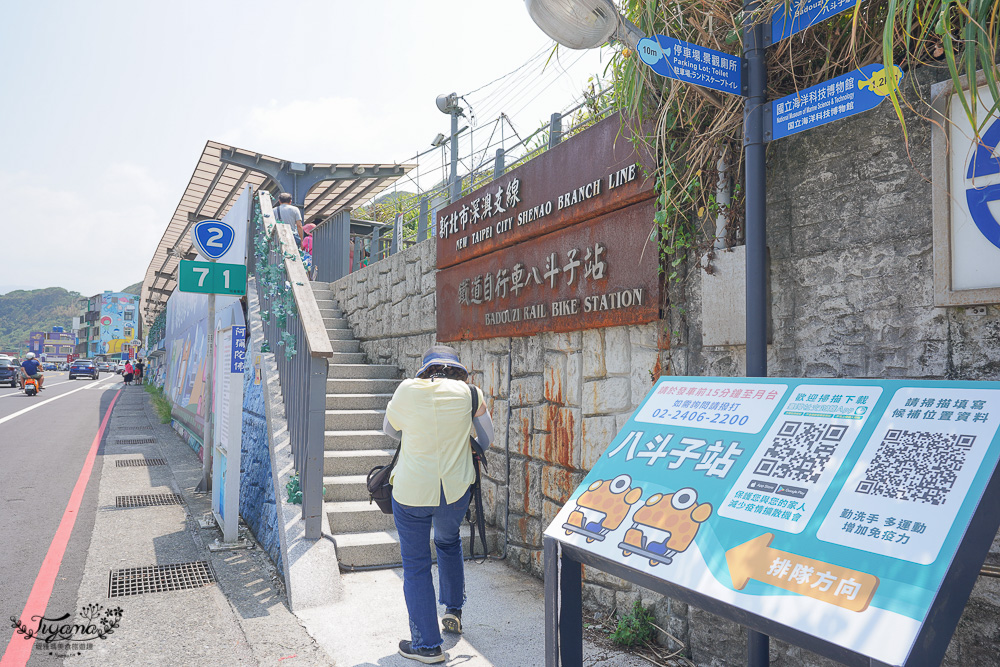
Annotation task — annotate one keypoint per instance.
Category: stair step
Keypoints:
(340, 334)
(336, 323)
(357, 401)
(357, 517)
(329, 311)
(347, 358)
(349, 463)
(345, 345)
(354, 420)
(345, 487)
(361, 385)
(382, 547)
(362, 371)
(355, 440)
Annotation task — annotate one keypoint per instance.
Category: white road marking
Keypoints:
(51, 384)
(38, 405)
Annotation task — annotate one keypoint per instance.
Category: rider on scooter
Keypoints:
(32, 369)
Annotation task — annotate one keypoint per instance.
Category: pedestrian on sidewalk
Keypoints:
(138, 371)
(432, 417)
(128, 373)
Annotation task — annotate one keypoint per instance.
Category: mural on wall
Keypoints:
(186, 339)
(187, 347)
(119, 326)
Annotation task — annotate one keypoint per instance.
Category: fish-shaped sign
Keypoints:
(700, 65)
(840, 97)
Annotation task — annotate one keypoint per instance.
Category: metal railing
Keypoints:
(340, 247)
(295, 333)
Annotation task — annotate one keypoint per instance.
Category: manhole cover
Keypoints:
(135, 463)
(153, 500)
(159, 578)
(134, 441)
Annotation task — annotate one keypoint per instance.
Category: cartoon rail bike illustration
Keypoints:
(665, 526)
(602, 507)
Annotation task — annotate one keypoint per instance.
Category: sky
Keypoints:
(108, 105)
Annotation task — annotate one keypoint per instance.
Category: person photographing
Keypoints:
(431, 415)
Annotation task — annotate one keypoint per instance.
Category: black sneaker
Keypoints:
(425, 655)
(452, 620)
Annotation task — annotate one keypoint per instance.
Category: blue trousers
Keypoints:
(414, 527)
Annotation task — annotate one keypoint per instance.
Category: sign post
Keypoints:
(212, 238)
(228, 424)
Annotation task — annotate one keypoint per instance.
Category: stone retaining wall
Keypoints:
(850, 239)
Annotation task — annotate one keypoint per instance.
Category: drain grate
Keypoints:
(153, 500)
(133, 428)
(136, 463)
(134, 441)
(159, 578)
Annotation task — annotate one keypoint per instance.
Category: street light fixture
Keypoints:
(449, 104)
(582, 24)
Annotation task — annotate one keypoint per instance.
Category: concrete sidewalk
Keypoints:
(503, 622)
(243, 618)
(240, 620)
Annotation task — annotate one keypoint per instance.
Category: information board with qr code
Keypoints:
(833, 507)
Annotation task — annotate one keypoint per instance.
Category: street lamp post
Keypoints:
(449, 104)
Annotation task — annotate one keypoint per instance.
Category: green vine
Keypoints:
(272, 281)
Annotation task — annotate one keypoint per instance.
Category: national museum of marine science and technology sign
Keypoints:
(562, 243)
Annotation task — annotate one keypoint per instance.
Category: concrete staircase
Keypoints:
(357, 394)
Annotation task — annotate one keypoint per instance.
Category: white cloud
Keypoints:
(327, 129)
(84, 240)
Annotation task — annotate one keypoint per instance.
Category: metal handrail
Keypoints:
(302, 373)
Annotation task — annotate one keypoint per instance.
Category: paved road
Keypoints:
(44, 441)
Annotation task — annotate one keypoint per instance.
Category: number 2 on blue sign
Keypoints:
(213, 240)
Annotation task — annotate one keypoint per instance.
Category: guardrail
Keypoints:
(295, 333)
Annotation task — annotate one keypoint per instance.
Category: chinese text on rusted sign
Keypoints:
(562, 243)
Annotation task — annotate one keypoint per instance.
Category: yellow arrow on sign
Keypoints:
(833, 584)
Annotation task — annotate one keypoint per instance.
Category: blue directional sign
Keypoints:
(797, 15)
(846, 95)
(212, 238)
(982, 164)
(695, 64)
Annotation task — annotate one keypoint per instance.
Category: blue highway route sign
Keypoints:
(846, 95)
(695, 64)
(212, 238)
(797, 15)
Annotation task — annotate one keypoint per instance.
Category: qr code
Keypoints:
(917, 466)
(800, 451)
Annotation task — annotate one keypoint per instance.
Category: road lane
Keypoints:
(43, 452)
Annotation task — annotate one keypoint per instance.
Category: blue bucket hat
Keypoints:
(441, 355)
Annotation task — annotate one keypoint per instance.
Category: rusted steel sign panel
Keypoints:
(599, 273)
(585, 176)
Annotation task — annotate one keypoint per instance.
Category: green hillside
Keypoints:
(24, 311)
(134, 289)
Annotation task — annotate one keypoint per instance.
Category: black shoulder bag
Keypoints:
(478, 457)
(379, 486)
